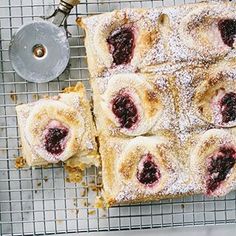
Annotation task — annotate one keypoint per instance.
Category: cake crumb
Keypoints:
(39, 184)
(92, 212)
(75, 202)
(35, 96)
(13, 96)
(20, 162)
(99, 202)
(45, 178)
(96, 188)
(83, 192)
(74, 175)
(86, 204)
(76, 88)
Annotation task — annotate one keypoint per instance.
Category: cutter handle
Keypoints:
(71, 2)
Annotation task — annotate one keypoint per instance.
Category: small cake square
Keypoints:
(59, 128)
(143, 169)
(130, 104)
(119, 40)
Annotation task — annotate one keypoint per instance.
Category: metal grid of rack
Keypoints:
(40, 201)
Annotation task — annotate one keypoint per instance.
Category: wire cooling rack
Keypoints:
(41, 201)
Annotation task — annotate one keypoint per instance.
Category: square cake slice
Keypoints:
(143, 168)
(129, 104)
(59, 129)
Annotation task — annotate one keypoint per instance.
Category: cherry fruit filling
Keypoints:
(125, 110)
(228, 107)
(148, 173)
(227, 30)
(54, 140)
(121, 45)
(219, 166)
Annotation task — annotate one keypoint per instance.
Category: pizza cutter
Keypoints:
(39, 51)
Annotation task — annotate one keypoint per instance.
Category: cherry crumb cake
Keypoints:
(164, 91)
(59, 129)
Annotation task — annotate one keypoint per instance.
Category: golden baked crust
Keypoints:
(219, 81)
(122, 159)
(68, 112)
(182, 125)
(165, 112)
(148, 95)
(199, 29)
(183, 33)
(98, 29)
(210, 144)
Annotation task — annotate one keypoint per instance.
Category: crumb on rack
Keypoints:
(39, 184)
(99, 202)
(86, 204)
(74, 175)
(92, 212)
(35, 96)
(13, 96)
(83, 192)
(75, 88)
(75, 201)
(96, 188)
(45, 178)
(20, 162)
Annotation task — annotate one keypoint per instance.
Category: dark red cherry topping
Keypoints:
(228, 31)
(54, 139)
(219, 167)
(125, 110)
(149, 173)
(121, 45)
(228, 107)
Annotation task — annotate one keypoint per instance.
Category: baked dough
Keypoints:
(128, 29)
(182, 141)
(213, 162)
(215, 96)
(187, 33)
(177, 87)
(132, 104)
(142, 169)
(57, 129)
(202, 28)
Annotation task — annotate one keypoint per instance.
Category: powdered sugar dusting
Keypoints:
(185, 43)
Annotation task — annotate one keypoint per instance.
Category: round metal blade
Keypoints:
(39, 51)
